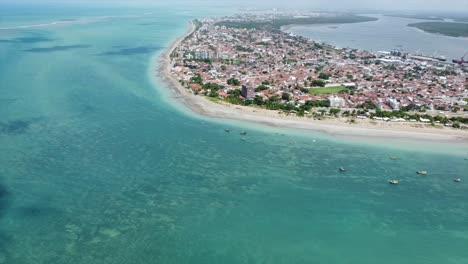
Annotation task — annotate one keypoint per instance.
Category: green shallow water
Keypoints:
(97, 166)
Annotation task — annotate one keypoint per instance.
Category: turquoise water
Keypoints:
(98, 166)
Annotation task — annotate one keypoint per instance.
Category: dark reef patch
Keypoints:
(5, 240)
(34, 211)
(57, 48)
(148, 24)
(14, 127)
(131, 51)
(4, 195)
(27, 40)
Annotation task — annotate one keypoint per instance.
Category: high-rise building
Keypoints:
(248, 92)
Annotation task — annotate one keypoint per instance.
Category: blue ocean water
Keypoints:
(98, 165)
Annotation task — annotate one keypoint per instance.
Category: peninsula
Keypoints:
(451, 29)
(264, 75)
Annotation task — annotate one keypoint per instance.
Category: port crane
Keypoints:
(462, 60)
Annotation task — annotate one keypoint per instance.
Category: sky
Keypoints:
(404, 5)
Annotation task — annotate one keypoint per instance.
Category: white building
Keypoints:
(336, 102)
(393, 103)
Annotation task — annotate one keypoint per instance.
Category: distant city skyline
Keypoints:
(391, 5)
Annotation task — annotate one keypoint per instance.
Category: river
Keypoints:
(385, 34)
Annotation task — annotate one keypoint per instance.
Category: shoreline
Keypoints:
(334, 127)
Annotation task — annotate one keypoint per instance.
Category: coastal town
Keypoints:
(242, 60)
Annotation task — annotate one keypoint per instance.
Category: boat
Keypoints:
(342, 169)
(393, 158)
(393, 182)
(457, 180)
(434, 57)
(422, 172)
(243, 133)
(227, 130)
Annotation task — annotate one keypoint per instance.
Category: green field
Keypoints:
(445, 28)
(327, 90)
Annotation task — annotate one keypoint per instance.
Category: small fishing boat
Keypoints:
(243, 133)
(422, 172)
(393, 182)
(457, 180)
(393, 158)
(342, 169)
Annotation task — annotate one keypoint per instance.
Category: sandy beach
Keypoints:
(363, 128)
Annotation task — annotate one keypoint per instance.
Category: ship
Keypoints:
(418, 55)
(461, 61)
